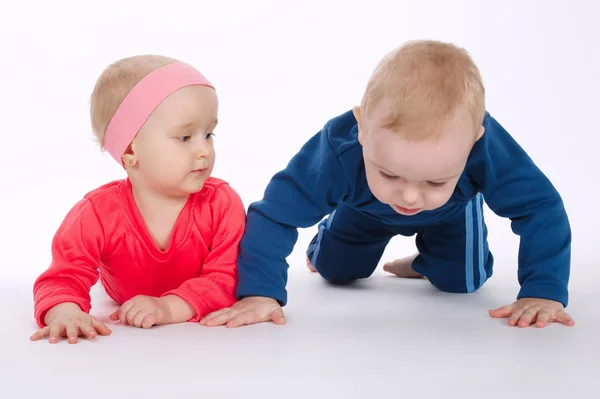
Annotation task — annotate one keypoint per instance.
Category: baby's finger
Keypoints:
(139, 318)
(514, 318)
(130, 317)
(125, 308)
(278, 317)
(528, 317)
(43, 333)
(56, 330)
(115, 315)
(100, 327)
(149, 321)
(223, 317)
(246, 317)
(543, 318)
(564, 318)
(87, 330)
(503, 312)
(212, 315)
(72, 333)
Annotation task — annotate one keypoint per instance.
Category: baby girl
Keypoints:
(163, 241)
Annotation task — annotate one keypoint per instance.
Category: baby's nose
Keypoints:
(202, 153)
(410, 197)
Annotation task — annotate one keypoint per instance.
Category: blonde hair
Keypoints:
(423, 83)
(113, 85)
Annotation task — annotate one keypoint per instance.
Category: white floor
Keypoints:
(384, 337)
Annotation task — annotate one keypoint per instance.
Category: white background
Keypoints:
(282, 69)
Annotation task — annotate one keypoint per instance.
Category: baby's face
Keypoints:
(415, 176)
(174, 148)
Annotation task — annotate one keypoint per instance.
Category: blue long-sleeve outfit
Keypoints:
(327, 177)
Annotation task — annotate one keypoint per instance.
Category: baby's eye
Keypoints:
(434, 184)
(386, 176)
(184, 138)
(208, 135)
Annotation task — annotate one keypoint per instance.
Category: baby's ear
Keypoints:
(356, 112)
(481, 131)
(130, 158)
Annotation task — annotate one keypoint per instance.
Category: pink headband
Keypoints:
(143, 99)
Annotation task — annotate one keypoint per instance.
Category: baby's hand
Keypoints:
(67, 319)
(249, 310)
(143, 311)
(527, 311)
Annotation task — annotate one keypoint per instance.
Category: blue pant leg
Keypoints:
(455, 256)
(348, 245)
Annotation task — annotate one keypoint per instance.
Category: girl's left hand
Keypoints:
(143, 311)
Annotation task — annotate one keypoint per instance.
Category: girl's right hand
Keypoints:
(68, 320)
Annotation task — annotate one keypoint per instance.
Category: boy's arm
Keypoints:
(514, 187)
(214, 289)
(76, 253)
(308, 189)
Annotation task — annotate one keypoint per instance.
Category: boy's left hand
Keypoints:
(143, 311)
(527, 311)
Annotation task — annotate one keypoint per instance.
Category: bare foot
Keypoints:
(402, 267)
(310, 267)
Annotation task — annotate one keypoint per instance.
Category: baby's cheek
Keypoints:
(439, 199)
(162, 171)
(374, 187)
(384, 193)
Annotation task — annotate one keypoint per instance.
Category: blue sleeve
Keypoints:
(515, 188)
(299, 196)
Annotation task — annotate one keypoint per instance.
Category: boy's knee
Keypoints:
(456, 286)
(338, 280)
(334, 276)
(340, 275)
(456, 276)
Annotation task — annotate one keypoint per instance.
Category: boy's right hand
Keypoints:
(67, 319)
(249, 310)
